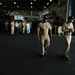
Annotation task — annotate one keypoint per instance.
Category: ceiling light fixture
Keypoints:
(44, 7)
(14, 2)
(34, 0)
(31, 3)
(0, 3)
(31, 6)
(50, 0)
(47, 3)
(17, 6)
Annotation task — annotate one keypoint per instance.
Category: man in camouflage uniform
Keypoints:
(68, 30)
(43, 30)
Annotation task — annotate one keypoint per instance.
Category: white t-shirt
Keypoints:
(28, 25)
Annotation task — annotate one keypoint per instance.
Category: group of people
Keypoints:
(44, 34)
(17, 26)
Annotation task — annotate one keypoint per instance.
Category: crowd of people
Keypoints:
(18, 26)
(44, 32)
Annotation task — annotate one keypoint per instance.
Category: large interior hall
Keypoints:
(21, 51)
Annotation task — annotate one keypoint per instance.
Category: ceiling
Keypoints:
(25, 6)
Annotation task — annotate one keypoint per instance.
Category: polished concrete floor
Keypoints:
(20, 55)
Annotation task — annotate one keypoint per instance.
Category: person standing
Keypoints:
(12, 27)
(43, 32)
(6, 25)
(28, 26)
(16, 27)
(68, 29)
(24, 25)
(60, 30)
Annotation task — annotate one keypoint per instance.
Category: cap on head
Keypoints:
(45, 17)
(70, 18)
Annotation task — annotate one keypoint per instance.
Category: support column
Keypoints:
(67, 13)
(72, 8)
